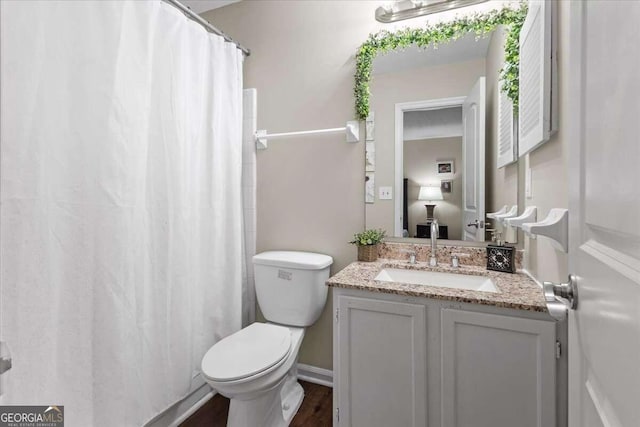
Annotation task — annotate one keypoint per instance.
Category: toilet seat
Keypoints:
(253, 350)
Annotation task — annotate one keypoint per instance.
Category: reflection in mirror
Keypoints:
(431, 151)
(424, 187)
(430, 132)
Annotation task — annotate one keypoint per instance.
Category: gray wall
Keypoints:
(310, 190)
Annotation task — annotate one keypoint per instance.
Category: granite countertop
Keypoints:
(516, 290)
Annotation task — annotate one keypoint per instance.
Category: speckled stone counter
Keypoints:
(517, 291)
(469, 255)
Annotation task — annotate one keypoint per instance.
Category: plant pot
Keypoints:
(368, 253)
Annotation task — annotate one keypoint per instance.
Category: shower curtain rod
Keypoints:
(206, 24)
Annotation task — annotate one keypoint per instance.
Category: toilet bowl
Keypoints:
(256, 367)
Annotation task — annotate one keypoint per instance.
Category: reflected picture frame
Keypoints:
(445, 167)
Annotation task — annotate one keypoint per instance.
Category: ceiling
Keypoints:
(200, 6)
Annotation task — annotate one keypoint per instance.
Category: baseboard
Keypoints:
(315, 375)
(180, 411)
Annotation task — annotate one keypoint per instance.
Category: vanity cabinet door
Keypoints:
(380, 363)
(497, 370)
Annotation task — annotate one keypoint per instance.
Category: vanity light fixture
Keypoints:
(407, 9)
(430, 193)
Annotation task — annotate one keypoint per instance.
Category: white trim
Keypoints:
(508, 121)
(575, 108)
(545, 11)
(315, 375)
(177, 413)
(401, 108)
(192, 410)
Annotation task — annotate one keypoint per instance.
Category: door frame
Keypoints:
(400, 109)
(576, 215)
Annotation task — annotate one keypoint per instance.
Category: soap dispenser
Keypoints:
(500, 257)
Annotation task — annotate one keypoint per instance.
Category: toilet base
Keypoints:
(274, 408)
(292, 395)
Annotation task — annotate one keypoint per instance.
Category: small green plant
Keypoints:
(479, 23)
(368, 237)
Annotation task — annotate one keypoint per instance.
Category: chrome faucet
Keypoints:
(433, 261)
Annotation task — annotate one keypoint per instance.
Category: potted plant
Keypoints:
(367, 243)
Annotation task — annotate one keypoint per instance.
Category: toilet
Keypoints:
(256, 366)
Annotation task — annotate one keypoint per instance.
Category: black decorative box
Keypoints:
(501, 258)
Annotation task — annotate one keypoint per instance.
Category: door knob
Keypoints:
(561, 297)
(476, 224)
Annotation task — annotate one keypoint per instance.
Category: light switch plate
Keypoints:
(385, 193)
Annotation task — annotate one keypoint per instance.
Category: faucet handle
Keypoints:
(455, 259)
(412, 256)
(409, 252)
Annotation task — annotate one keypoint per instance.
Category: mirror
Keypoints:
(433, 142)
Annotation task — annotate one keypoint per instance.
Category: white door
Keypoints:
(473, 112)
(604, 173)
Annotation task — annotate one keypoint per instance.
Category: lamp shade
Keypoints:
(430, 193)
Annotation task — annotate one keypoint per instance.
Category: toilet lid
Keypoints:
(249, 351)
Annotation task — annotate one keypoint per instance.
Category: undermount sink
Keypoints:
(438, 279)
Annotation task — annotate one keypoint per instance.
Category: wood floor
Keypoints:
(315, 410)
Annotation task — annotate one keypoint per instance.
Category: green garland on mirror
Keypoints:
(479, 23)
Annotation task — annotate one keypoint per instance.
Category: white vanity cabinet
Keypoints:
(381, 357)
(497, 370)
(410, 361)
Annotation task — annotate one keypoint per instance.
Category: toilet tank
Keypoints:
(290, 286)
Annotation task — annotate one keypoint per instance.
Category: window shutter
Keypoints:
(506, 131)
(534, 116)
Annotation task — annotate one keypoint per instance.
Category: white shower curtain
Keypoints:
(121, 205)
